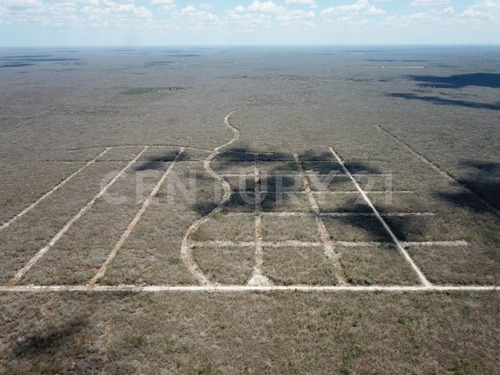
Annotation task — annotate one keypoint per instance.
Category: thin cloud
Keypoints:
(311, 3)
(429, 3)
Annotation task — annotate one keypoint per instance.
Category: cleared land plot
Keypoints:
(299, 228)
(281, 166)
(333, 182)
(298, 265)
(22, 240)
(391, 202)
(193, 154)
(356, 229)
(282, 201)
(241, 182)
(240, 202)
(280, 181)
(460, 265)
(77, 257)
(226, 228)
(159, 154)
(151, 255)
(428, 228)
(225, 264)
(375, 265)
(400, 164)
(322, 167)
(287, 217)
(428, 181)
(350, 202)
(223, 167)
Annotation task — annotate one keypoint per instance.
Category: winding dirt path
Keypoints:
(186, 253)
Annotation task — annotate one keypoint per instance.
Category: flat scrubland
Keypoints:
(344, 220)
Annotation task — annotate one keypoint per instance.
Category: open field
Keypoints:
(241, 210)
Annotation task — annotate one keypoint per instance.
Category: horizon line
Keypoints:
(259, 45)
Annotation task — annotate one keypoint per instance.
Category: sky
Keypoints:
(25, 23)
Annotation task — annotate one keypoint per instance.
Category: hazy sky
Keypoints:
(178, 22)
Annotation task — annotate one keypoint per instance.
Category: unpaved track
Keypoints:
(325, 237)
(208, 285)
(68, 225)
(295, 243)
(258, 279)
(186, 253)
(400, 247)
(100, 274)
(246, 288)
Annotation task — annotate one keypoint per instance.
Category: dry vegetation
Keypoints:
(408, 135)
(268, 333)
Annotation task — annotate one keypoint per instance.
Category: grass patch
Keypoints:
(375, 265)
(208, 369)
(298, 265)
(227, 265)
(300, 228)
(226, 228)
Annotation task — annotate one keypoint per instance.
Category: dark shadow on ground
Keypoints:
(360, 228)
(458, 81)
(482, 178)
(53, 346)
(49, 341)
(440, 101)
(278, 180)
(282, 183)
(156, 162)
(408, 228)
(204, 207)
(55, 336)
(405, 228)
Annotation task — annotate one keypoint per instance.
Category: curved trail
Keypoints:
(186, 253)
